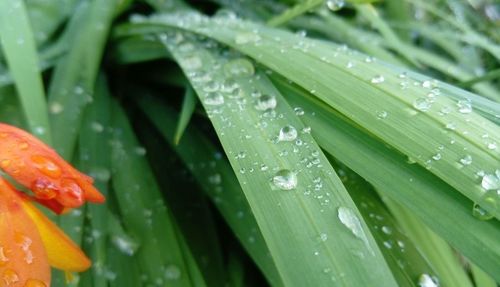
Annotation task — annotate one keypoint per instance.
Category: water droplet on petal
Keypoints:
(71, 195)
(44, 189)
(285, 179)
(10, 277)
(5, 163)
(46, 166)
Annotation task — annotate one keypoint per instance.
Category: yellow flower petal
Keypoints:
(62, 252)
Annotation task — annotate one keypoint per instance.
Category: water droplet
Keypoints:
(451, 126)
(422, 104)
(3, 256)
(436, 156)
(70, 195)
(350, 220)
(466, 160)
(56, 108)
(323, 237)
(386, 230)
(335, 5)
(10, 277)
(492, 145)
(246, 37)
(229, 86)
(239, 68)
(97, 127)
(125, 244)
(490, 182)
(172, 272)
(298, 111)
(287, 133)
(191, 63)
(464, 107)
(285, 179)
(213, 99)
(378, 79)
(426, 280)
(480, 213)
(211, 86)
(382, 115)
(266, 102)
(44, 189)
(46, 166)
(427, 84)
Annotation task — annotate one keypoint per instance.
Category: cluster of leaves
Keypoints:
(287, 143)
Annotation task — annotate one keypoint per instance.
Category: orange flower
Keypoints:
(29, 242)
(54, 182)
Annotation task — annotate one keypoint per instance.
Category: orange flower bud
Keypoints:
(53, 181)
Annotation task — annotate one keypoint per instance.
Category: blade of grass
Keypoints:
(19, 47)
(72, 85)
(291, 212)
(219, 182)
(188, 106)
(142, 209)
(430, 199)
(441, 257)
(419, 121)
(406, 262)
(295, 11)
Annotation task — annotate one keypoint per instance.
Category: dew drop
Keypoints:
(285, 179)
(192, 63)
(46, 166)
(464, 107)
(426, 280)
(480, 213)
(298, 111)
(172, 272)
(350, 220)
(239, 68)
(490, 182)
(382, 115)
(266, 102)
(10, 277)
(287, 133)
(213, 99)
(378, 79)
(335, 5)
(422, 104)
(44, 189)
(466, 160)
(125, 244)
(246, 38)
(437, 156)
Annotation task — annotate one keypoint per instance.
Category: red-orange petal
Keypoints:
(39, 168)
(23, 260)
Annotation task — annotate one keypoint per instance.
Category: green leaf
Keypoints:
(20, 51)
(323, 224)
